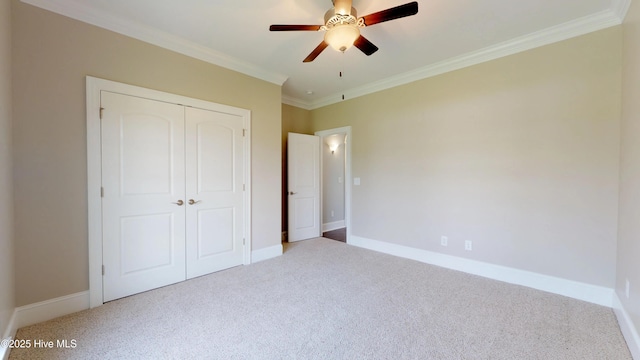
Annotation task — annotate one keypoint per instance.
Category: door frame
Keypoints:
(94, 86)
(348, 182)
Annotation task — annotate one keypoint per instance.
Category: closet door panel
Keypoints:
(214, 167)
(143, 177)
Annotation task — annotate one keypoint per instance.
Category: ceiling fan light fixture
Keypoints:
(342, 27)
(341, 37)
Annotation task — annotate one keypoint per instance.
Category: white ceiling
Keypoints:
(445, 35)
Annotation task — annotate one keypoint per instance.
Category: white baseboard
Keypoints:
(51, 309)
(586, 292)
(43, 311)
(333, 226)
(266, 253)
(626, 326)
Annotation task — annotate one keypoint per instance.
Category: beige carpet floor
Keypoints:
(324, 299)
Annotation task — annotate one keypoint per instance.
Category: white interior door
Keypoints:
(303, 158)
(214, 149)
(144, 194)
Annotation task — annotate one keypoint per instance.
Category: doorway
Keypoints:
(190, 161)
(335, 155)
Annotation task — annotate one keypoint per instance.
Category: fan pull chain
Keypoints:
(343, 84)
(341, 78)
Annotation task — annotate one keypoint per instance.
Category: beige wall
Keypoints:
(296, 120)
(629, 224)
(52, 55)
(6, 188)
(519, 155)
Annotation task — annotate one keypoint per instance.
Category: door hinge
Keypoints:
(101, 110)
(244, 187)
(243, 241)
(244, 132)
(102, 270)
(101, 191)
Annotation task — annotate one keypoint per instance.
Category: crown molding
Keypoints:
(571, 29)
(153, 36)
(611, 17)
(289, 100)
(620, 8)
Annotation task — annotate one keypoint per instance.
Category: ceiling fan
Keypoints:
(342, 26)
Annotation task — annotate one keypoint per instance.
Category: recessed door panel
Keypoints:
(215, 157)
(304, 214)
(304, 170)
(146, 242)
(215, 232)
(145, 154)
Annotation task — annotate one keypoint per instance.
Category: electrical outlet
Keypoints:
(444, 241)
(468, 245)
(627, 288)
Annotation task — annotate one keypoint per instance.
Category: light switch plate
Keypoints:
(356, 181)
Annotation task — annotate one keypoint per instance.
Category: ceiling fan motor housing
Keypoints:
(332, 18)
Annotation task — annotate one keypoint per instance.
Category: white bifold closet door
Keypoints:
(214, 188)
(172, 180)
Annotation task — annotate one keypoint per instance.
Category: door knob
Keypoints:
(292, 193)
(179, 203)
(192, 202)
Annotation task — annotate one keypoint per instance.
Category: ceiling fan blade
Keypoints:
(342, 7)
(294, 27)
(365, 45)
(391, 14)
(314, 54)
